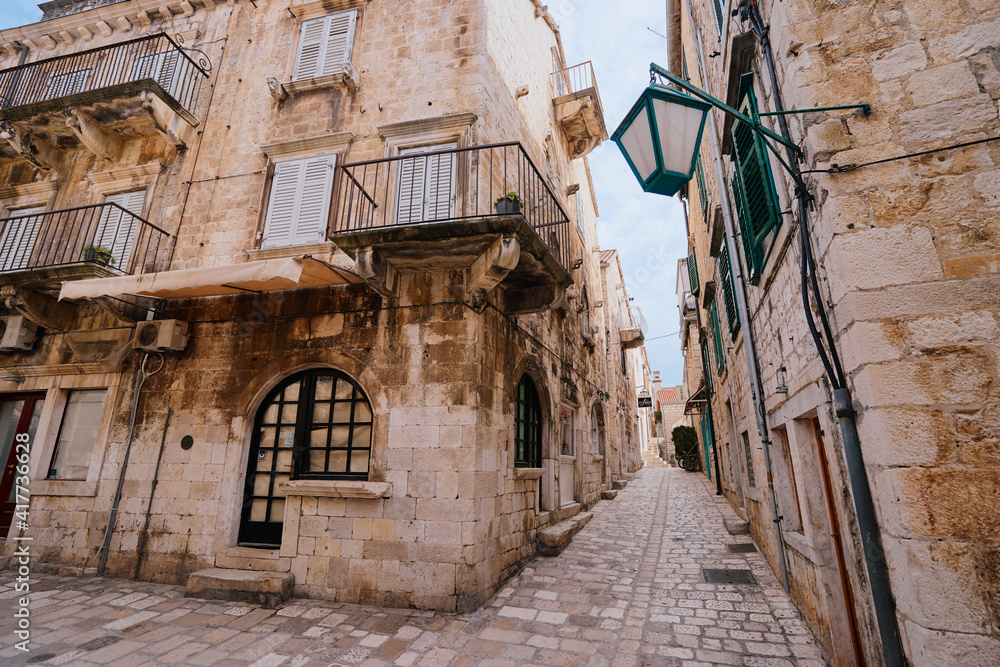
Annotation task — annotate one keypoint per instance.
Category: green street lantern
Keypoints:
(660, 137)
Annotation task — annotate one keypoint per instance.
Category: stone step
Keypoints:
(609, 494)
(268, 589)
(619, 484)
(735, 525)
(552, 540)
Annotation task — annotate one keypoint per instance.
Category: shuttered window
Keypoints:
(298, 210)
(717, 345)
(18, 237)
(692, 265)
(426, 185)
(161, 67)
(702, 189)
(753, 185)
(117, 228)
(706, 367)
(729, 291)
(578, 201)
(325, 44)
(719, 6)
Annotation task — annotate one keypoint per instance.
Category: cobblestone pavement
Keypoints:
(628, 591)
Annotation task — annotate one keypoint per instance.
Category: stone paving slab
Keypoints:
(629, 591)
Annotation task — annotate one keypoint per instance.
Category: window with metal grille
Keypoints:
(527, 426)
(717, 345)
(706, 367)
(729, 291)
(746, 450)
(692, 265)
(753, 186)
(702, 189)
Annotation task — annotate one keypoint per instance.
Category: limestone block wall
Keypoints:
(907, 255)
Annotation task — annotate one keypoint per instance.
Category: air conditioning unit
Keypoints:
(17, 333)
(161, 336)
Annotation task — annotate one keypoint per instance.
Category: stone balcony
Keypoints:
(99, 98)
(578, 108)
(439, 210)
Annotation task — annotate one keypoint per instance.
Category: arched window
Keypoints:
(527, 425)
(316, 424)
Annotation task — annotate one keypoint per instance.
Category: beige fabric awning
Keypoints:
(260, 276)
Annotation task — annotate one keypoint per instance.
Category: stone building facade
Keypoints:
(907, 273)
(262, 314)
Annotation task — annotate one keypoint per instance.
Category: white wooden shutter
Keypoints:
(299, 206)
(161, 67)
(18, 238)
(426, 189)
(339, 40)
(325, 43)
(116, 229)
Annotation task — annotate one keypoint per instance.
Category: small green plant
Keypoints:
(97, 253)
(511, 197)
(685, 441)
(658, 417)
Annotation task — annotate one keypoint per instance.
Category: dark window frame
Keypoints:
(527, 425)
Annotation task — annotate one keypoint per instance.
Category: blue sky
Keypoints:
(647, 230)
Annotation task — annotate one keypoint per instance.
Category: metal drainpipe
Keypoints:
(864, 505)
(749, 345)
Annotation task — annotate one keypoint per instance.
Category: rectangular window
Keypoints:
(702, 190)
(116, 229)
(325, 45)
(784, 483)
(729, 291)
(578, 201)
(624, 363)
(753, 186)
(746, 450)
(77, 434)
(298, 210)
(717, 344)
(706, 367)
(425, 189)
(18, 237)
(692, 265)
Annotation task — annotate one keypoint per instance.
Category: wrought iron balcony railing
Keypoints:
(104, 235)
(450, 185)
(157, 58)
(573, 80)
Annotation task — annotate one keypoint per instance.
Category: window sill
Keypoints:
(528, 473)
(58, 487)
(346, 78)
(321, 249)
(598, 458)
(336, 488)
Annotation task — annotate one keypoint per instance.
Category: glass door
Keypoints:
(19, 414)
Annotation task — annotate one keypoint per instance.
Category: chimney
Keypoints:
(656, 383)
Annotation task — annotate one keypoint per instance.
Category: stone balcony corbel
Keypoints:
(42, 310)
(490, 268)
(35, 150)
(378, 273)
(164, 120)
(99, 141)
(347, 78)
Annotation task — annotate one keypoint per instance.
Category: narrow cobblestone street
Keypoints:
(629, 590)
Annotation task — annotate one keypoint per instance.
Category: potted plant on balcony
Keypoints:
(97, 253)
(509, 204)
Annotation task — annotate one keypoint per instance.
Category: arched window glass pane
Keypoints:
(527, 426)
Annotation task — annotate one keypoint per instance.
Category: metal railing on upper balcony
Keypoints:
(573, 79)
(632, 318)
(101, 234)
(156, 57)
(448, 185)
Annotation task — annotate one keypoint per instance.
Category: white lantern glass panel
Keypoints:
(638, 143)
(678, 126)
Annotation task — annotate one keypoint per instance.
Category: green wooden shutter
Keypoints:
(729, 291)
(753, 184)
(719, 5)
(692, 265)
(702, 189)
(706, 367)
(717, 346)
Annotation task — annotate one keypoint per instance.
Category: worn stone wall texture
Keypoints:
(440, 375)
(907, 252)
